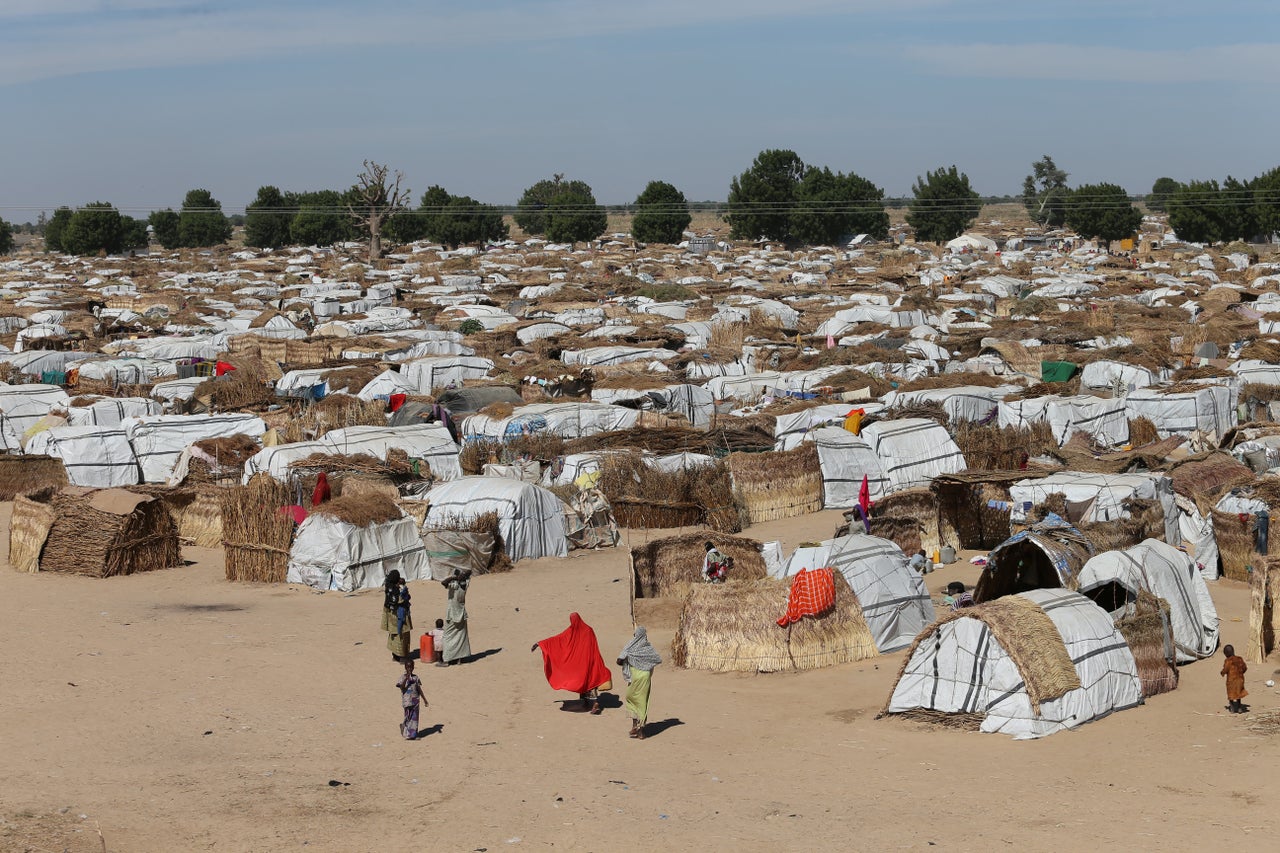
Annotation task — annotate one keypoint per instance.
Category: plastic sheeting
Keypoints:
(913, 451)
(1104, 421)
(1167, 573)
(1106, 493)
(112, 411)
(845, 459)
(892, 595)
(427, 374)
(94, 456)
(567, 420)
(331, 554)
(961, 403)
(530, 518)
(1211, 409)
(961, 669)
(158, 440)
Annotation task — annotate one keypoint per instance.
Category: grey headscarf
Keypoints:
(638, 653)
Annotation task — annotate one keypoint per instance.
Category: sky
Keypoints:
(136, 101)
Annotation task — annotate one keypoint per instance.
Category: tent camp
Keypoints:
(892, 595)
(912, 451)
(530, 518)
(351, 543)
(845, 460)
(1115, 578)
(1028, 666)
(1208, 409)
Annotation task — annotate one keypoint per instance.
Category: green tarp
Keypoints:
(1057, 371)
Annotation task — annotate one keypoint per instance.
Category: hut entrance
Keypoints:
(1019, 567)
(1111, 596)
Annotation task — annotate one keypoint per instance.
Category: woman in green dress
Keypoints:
(637, 659)
(397, 634)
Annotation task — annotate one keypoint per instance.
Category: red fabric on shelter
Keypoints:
(321, 493)
(297, 513)
(571, 659)
(223, 367)
(864, 497)
(813, 592)
(397, 400)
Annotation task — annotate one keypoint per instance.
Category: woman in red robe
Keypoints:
(572, 661)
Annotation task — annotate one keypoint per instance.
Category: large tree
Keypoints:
(944, 205)
(1266, 200)
(267, 218)
(662, 214)
(6, 238)
(573, 215)
(96, 227)
(1161, 191)
(200, 221)
(164, 225)
(1197, 213)
(55, 228)
(1242, 214)
(376, 197)
(531, 210)
(321, 219)
(832, 206)
(135, 233)
(1044, 192)
(761, 198)
(1103, 211)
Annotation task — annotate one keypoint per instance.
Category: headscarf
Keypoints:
(638, 653)
(571, 659)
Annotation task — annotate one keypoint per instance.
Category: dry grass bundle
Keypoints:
(352, 485)
(644, 497)
(1046, 389)
(963, 512)
(1260, 393)
(769, 486)
(733, 627)
(931, 411)
(257, 534)
(337, 411)
(918, 507)
(498, 411)
(360, 510)
(953, 380)
(1236, 545)
(22, 475)
(540, 447)
(245, 387)
(1262, 351)
(1207, 478)
(1027, 635)
(397, 465)
(1189, 374)
(854, 380)
(107, 532)
(28, 530)
(1264, 615)
(229, 454)
(1149, 633)
(995, 448)
(352, 378)
(726, 341)
(1145, 521)
(669, 567)
(474, 543)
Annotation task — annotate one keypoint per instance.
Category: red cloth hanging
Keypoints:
(813, 592)
(297, 513)
(398, 400)
(321, 493)
(864, 497)
(572, 661)
(223, 367)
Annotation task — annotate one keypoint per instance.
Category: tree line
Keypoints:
(778, 198)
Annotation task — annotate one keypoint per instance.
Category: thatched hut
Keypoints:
(973, 506)
(23, 475)
(733, 627)
(96, 532)
(774, 485)
(219, 460)
(1264, 615)
(910, 518)
(1047, 555)
(669, 567)
(257, 530)
(352, 543)
(644, 496)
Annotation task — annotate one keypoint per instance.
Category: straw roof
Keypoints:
(733, 627)
(1027, 635)
(360, 510)
(21, 474)
(1147, 630)
(1209, 475)
(671, 565)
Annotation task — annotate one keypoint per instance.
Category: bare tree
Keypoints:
(375, 198)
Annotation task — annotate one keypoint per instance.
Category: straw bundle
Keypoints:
(733, 627)
(22, 475)
(199, 516)
(955, 380)
(769, 486)
(1145, 521)
(1027, 635)
(995, 448)
(355, 485)
(1262, 351)
(643, 497)
(28, 529)
(334, 412)
(1236, 545)
(246, 386)
(474, 543)
(1149, 633)
(669, 567)
(229, 454)
(257, 534)
(360, 510)
(108, 532)
(963, 511)
(1264, 616)
(397, 465)
(918, 507)
(351, 378)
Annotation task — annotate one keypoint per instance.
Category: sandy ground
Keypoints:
(175, 711)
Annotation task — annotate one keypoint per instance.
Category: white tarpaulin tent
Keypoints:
(112, 411)
(1103, 494)
(567, 420)
(892, 595)
(1209, 409)
(428, 442)
(23, 405)
(331, 554)
(1167, 573)
(845, 459)
(530, 518)
(95, 456)
(961, 403)
(913, 451)
(158, 440)
(427, 374)
(1100, 375)
(792, 428)
(958, 667)
(1105, 421)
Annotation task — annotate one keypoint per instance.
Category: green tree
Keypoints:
(267, 218)
(135, 233)
(200, 222)
(1044, 192)
(761, 198)
(6, 238)
(96, 227)
(944, 205)
(531, 209)
(662, 214)
(55, 228)
(573, 215)
(466, 220)
(1161, 191)
(1103, 211)
(832, 206)
(164, 225)
(321, 219)
(1197, 213)
(1266, 201)
(1242, 220)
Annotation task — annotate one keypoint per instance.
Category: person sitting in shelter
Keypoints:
(715, 565)
(921, 562)
(957, 597)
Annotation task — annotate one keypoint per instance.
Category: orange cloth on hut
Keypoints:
(813, 592)
(571, 659)
(1234, 669)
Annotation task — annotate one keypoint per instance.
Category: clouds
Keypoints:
(1236, 63)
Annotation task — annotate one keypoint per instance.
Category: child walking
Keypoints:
(1234, 669)
(410, 693)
